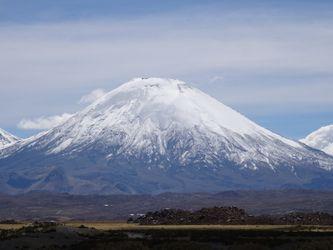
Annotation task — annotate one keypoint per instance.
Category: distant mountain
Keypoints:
(160, 135)
(7, 138)
(321, 139)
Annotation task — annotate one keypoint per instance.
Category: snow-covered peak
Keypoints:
(155, 116)
(144, 110)
(321, 139)
(7, 138)
(161, 135)
(140, 83)
(169, 101)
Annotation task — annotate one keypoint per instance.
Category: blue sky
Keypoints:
(270, 60)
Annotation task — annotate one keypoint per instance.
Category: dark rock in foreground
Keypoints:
(229, 216)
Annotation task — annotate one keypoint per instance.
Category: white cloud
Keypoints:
(90, 52)
(92, 96)
(43, 123)
(48, 122)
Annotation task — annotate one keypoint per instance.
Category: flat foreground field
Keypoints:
(123, 226)
(83, 235)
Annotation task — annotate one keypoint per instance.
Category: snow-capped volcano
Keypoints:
(7, 138)
(156, 135)
(321, 139)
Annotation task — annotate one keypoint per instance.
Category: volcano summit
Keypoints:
(160, 135)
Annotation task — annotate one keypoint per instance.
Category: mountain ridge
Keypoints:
(154, 135)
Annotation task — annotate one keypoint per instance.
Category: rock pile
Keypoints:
(228, 216)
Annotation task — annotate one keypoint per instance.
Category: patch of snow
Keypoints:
(321, 139)
(62, 146)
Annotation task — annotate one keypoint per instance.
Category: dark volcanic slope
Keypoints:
(118, 207)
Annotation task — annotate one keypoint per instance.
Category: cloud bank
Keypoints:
(43, 123)
(279, 60)
(54, 57)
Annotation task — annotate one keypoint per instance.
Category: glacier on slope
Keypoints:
(160, 135)
(321, 139)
